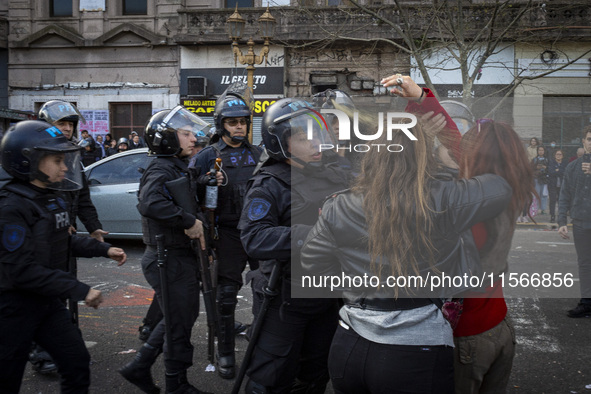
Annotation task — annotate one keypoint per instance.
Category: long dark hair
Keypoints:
(395, 187)
(495, 148)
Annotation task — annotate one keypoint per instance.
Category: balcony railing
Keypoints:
(294, 24)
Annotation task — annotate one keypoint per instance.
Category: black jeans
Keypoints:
(582, 238)
(359, 366)
(27, 317)
(553, 196)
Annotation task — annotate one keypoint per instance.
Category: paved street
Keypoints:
(552, 354)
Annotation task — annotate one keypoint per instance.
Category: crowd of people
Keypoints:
(448, 202)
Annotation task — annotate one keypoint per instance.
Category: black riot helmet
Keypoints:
(460, 113)
(27, 143)
(237, 101)
(122, 140)
(202, 139)
(55, 110)
(231, 106)
(288, 117)
(162, 127)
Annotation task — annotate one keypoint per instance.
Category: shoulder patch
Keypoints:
(13, 237)
(258, 209)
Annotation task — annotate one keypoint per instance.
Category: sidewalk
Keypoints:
(542, 222)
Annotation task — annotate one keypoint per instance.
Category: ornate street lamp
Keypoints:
(235, 25)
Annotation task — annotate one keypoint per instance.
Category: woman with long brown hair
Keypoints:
(402, 221)
(484, 338)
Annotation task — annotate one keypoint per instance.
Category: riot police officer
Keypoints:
(65, 116)
(34, 223)
(239, 159)
(280, 208)
(170, 139)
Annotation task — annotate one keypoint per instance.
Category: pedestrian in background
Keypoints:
(580, 152)
(540, 167)
(101, 147)
(575, 198)
(556, 170)
(532, 148)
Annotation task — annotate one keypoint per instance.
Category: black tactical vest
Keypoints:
(238, 164)
(51, 215)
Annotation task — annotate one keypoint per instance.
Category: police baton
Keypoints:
(269, 292)
(72, 304)
(161, 253)
(208, 299)
(73, 269)
(183, 196)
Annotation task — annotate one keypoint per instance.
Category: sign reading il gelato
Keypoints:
(266, 80)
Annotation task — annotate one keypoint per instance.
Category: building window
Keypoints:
(135, 7)
(128, 117)
(564, 120)
(59, 8)
(241, 3)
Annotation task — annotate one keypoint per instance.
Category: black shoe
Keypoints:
(227, 366)
(45, 367)
(177, 383)
(582, 310)
(138, 372)
(240, 328)
(42, 361)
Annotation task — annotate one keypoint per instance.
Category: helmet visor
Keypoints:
(179, 118)
(311, 124)
(59, 167)
(56, 110)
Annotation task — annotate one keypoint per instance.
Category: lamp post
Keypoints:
(235, 25)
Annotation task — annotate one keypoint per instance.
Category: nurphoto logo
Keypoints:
(394, 123)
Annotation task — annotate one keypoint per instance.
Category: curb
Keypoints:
(540, 226)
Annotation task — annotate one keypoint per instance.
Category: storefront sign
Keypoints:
(266, 80)
(207, 107)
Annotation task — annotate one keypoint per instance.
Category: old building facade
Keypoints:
(122, 60)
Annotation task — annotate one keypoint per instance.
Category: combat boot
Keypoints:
(41, 360)
(226, 342)
(177, 383)
(138, 372)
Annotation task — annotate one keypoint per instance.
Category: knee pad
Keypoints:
(227, 299)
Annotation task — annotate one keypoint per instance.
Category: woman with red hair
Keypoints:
(484, 339)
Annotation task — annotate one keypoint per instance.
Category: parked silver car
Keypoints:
(114, 183)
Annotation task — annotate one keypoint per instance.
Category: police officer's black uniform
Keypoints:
(238, 164)
(81, 206)
(161, 216)
(280, 208)
(34, 251)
